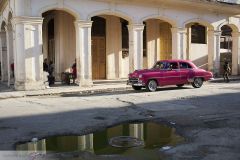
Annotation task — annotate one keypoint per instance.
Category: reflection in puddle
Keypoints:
(154, 136)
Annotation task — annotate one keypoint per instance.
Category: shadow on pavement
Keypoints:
(128, 91)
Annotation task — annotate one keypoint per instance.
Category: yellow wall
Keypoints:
(165, 41)
(159, 42)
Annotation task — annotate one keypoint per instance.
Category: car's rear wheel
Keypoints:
(137, 88)
(180, 85)
(197, 83)
(152, 86)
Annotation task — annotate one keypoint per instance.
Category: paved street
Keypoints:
(208, 118)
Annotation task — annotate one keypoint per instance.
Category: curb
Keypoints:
(9, 95)
(87, 92)
(221, 80)
(2, 97)
(82, 93)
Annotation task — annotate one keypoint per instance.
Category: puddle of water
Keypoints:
(139, 141)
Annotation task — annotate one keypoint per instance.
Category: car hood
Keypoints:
(136, 73)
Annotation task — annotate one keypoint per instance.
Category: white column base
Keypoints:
(28, 86)
(86, 83)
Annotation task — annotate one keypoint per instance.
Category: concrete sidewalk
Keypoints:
(58, 89)
(105, 86)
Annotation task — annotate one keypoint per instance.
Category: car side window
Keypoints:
(173, 65)
(159, 65)
(184, 65)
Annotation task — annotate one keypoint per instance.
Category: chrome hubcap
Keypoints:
(152, 85)
(198, 82)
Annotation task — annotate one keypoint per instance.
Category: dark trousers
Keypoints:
(226, 76)
(51, 80)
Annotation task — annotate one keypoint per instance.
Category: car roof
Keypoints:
(176, 60)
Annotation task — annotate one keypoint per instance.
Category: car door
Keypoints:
(185, 71)
(171, 74)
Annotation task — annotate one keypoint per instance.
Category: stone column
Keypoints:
(28, 60)
(179, 45)
(135, 46)
(137, 130)
(84, 53)
(235, 53)
(4, 64)
(214, 51)
(10, 59)
(85, 142)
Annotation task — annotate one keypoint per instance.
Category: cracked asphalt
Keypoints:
(208, 118)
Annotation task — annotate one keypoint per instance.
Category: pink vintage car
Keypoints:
(169, 72)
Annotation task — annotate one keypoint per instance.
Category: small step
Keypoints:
(117, 81)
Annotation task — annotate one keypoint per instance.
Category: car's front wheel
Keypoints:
(137, 88)
(152, 86)
(197, 83)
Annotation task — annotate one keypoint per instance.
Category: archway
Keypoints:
(4, 59)
(59, 40)
(157, 43)
(197, 44)
(109, 47)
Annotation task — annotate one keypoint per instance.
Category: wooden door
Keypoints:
(98, 57)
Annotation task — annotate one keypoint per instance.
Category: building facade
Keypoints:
(110, 38)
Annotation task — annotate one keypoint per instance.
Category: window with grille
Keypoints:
(198, 34)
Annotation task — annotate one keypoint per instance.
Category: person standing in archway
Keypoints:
(12, 69)
(51, 78)
(0, 71)
(226, 72)
(45, 72)
(74, 71)
(45, 65)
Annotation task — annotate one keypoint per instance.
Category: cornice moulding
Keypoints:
(27, 20)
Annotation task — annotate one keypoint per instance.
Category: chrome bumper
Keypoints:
(135, 83)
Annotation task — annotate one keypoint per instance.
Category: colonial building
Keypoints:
(110, 38)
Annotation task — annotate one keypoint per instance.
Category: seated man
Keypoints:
(173, 66)
(161, 66)
(65, 78)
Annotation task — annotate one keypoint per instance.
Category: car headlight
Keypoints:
(140, 76)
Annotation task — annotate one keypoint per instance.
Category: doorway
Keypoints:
(98, 48)
(99, 57)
